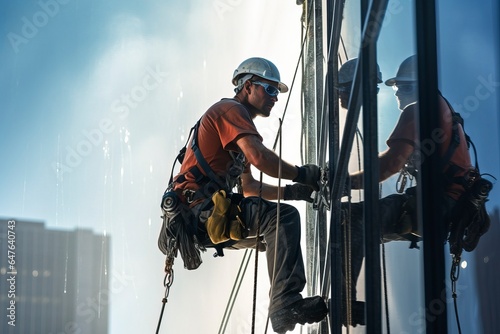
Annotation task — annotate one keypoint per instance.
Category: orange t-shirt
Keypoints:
(220, 127)
(406, 129)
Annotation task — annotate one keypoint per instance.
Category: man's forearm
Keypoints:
(269, 164)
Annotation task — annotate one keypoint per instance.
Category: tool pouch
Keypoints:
(225, 223)
(470, 219)
(178, 232)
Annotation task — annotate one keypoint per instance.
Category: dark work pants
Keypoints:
(390, 211)
(282, 246)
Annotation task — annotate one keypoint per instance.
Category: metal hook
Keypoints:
(167, 282)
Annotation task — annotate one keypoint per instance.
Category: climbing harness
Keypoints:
(180, 221)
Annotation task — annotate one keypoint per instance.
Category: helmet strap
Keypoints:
(241, 82)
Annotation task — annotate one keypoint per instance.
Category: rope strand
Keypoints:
(256, 269)
(278, 214)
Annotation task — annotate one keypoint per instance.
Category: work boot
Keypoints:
(307, 310)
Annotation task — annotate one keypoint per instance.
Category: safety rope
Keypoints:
(256, 269)
(347, 266)
(278, 215)
(301, 55)
(386, 298)
(234, 291)
(348, 238)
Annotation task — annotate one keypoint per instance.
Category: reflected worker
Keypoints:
(398, 211)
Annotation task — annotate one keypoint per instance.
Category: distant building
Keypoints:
(58, 283)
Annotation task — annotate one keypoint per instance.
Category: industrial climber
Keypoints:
(403, 155)
(356, 308)
(225, 144)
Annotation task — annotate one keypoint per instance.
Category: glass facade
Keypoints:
(417, 284)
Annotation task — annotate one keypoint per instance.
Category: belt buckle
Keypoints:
(188, 195)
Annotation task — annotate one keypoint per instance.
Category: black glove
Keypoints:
(309, 175)
(297, 192)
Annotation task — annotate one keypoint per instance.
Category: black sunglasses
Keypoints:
(270, 89)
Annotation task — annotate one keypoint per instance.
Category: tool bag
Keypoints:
(179, 231)
(224, 223)
(469, 220)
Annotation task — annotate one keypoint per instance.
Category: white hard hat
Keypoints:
(260, 67)
(407, 71)
(346, 72)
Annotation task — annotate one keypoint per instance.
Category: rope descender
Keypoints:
(169, 277)
(454, 274)
(322, 196)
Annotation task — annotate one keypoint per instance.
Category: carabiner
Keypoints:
(401, 183)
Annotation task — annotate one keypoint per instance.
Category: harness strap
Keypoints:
(452, 169)
(201, 159)
(455, 141)
(206, 178)
(199, 177)
(455, 136)
(180, 157)
(195, 171)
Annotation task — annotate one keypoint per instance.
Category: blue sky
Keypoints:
(108, 90)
